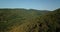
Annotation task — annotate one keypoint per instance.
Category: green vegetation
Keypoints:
(24, 20)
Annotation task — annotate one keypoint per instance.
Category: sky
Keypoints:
(31, 4)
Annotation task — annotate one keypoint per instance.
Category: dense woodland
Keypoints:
(29, 20)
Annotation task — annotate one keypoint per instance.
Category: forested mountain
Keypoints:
(23, 20)
(14, 17)
(50, 22)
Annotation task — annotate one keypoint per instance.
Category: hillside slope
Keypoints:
(10, 18)
(51, 21)
(46, 23)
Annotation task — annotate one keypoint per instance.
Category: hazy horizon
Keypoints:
(31, 4)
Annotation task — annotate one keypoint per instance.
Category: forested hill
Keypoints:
(10, 18)
(50, 22)
(22, 20)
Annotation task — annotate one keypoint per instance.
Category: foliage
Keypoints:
(22, 20)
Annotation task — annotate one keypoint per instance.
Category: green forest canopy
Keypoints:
(22, 20)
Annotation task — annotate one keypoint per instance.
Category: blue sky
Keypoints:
(31, 4)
